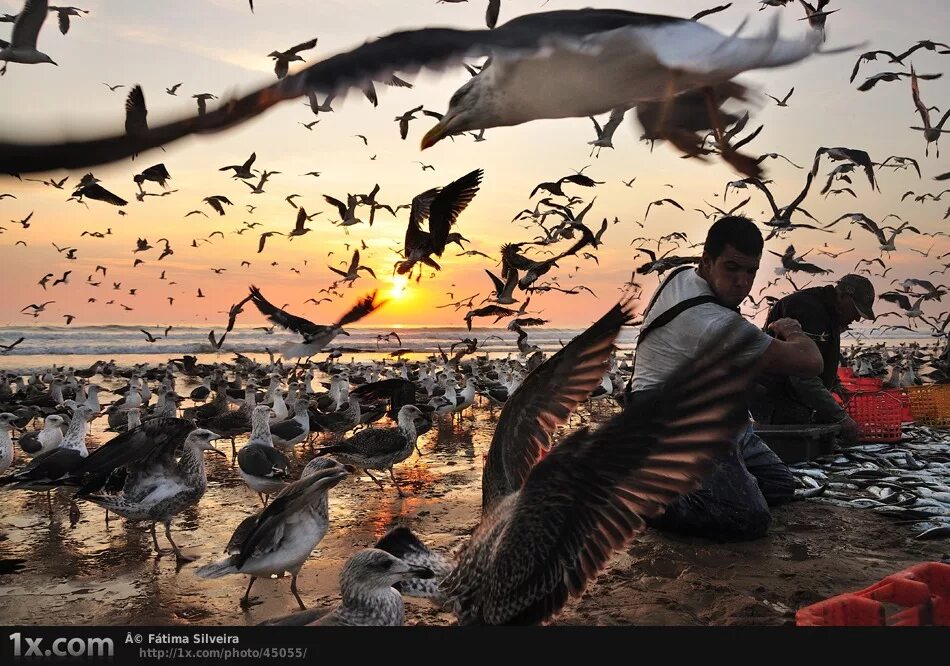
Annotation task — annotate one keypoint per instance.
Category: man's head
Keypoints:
(731, 258)
(855, 299)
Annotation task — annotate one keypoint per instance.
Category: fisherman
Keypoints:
(824, 312)
(693, 305)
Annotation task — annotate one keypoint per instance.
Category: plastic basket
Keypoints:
(922, 592)
(862, 384)
(878, 416)
(907, 415)
(930, 404)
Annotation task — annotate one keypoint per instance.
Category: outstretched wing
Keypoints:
(363, 307)
(589, 497)
(304, 327)
(448, 204)
(545, 399)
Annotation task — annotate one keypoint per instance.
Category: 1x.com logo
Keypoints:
(24, 646)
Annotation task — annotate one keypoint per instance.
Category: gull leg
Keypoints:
(180, 556)
(293, 589)
(395, 483)
(245, 600)
(155, 539)
(377, 481)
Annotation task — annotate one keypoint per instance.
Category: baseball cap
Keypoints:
(860, 289)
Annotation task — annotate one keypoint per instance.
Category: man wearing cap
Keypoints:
(823, 312)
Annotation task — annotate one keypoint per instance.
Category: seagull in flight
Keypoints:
(26, 30)
(315, 336)
(663, 79)
(283, 58)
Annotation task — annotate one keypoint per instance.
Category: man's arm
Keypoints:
(791, 352)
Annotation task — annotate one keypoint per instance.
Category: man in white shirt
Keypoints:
(692, 306)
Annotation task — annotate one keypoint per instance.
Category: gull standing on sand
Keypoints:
(281, 536)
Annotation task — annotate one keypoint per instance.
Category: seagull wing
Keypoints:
(545, 399)
(590, 495)
(135, 112)
(283, 319)
(340, 206)
(26, 29)
(448, 204)
(303, 46)
(363, 307)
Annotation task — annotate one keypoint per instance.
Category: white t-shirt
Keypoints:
(668, 347)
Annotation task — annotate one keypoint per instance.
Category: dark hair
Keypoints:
(736, 231)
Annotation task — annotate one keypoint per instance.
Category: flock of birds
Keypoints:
(155, 468)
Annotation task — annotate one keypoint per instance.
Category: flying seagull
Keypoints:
(26, 30)
(662, 58)
(315, 336)
(283, 58)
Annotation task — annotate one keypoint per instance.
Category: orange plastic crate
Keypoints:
(922, 590)
(901, 394)
(930, 404)
(878, 415)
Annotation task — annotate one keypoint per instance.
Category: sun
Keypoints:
(399, 286)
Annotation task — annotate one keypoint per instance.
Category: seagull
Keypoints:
(353, 272)
(591, 80)
(63, 14)
(315, 336)
(156, 173)
(215, 202)
(26, 31)
(259, 188)
(281, 536)
(90, 188)
(242, 171)
(555, 187)
(605, 134)
(347, 211)
(784, 100)
(173, 90)
(442, 206)
(553, 515)
(202, 99)
(115, 87)
(404, 119)
(504, 290)
(791, 263)
(283, 58)
(660, 202)
(931, 132)
(264, 237)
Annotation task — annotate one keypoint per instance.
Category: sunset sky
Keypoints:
(220, 47)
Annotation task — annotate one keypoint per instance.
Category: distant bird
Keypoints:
(4, 349)
(69, 318)
(784, 100)
(264, 237)
(660, 202)
(173, 90)
(115, 87)
(90, 188)
(63, 14)
(890, 77)
(442, 206)
(404, 119)
(555, 187)
(852, 155)
(282, 59)
(215, 202)
(156, 173)
(315, 336)
(148, 336)
(202, 100)
(242, 171)
(605, 134)
(309, 125)
(136, 113)
(26, 30)
(931, 132)
(792, 264)
(353, 272)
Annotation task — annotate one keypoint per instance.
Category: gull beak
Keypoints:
(434, 135)
(343, 332)
(422, 572)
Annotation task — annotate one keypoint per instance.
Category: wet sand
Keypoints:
(94, 573)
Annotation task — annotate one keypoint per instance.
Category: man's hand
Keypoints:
(850, 431)
(785, 328)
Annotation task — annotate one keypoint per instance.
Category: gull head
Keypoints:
(471, 107)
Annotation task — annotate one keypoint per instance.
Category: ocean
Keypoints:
(81, 346)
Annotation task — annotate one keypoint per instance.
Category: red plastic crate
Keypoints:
(862, 384)
(878, 415)
(922, 590)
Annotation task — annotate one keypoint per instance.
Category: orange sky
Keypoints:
(219, 47)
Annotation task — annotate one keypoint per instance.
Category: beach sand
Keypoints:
(91, 573)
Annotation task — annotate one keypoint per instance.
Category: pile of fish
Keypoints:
(908, 481)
